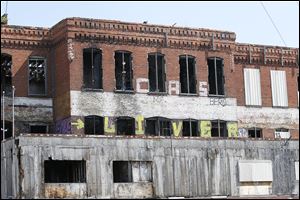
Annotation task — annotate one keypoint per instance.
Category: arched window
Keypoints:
(6, 75)
(92, 68)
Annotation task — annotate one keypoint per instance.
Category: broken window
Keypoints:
(132, 171)
(187, 74)
(6, 82)
(123, 70)
(158, 126)
(216, 77)
(93, 125)
(125, 126)
(282, 133)
(157, 75)
(219, 129)
(92, 68)
(65, 171)
(254, 133)
(38, 128)
(7, 129)
(190, 128)
(37, 76)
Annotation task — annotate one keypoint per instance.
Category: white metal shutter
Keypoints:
(279, 88)
(252, 87)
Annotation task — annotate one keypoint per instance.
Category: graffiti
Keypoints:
(232, 128)
(63, 126)
(218, 101)
(109, 125)
(140, 82)
(205, 127)
(173, 87)
(243, 132)
(177, 128)
(79, 124)
(203, 89)
(139, 128)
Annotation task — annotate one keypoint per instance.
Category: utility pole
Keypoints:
(13, 112)
(3, 117)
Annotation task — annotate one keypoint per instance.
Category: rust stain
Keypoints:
(56, 192)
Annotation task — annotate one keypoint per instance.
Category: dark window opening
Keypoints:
(125, 126)
(158, 126)
(132, 171)
(38, 128)
(219, 129)
(37, 76)
(123, 70)
(157, 75)
(65, 171)
(94, 125)
(7, 129)
(122, 171)
(187, 74)
(254, 133)
(190, 128)
(92, 68)
(6, 75)
(216, 77)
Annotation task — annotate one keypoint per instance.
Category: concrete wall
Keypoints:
(180, 167)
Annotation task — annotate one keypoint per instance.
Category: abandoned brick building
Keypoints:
(110, 109)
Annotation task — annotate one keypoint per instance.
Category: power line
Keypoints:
(273, 22)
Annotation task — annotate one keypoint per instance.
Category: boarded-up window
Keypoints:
(252, 87)
(282, 133)
(279, 88)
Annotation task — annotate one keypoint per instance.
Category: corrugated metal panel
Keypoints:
(252, 87)
(279, 88)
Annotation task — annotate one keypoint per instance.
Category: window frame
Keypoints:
(46, 75)
(164, 77)
(123, 78)
(94, 117)
(93, 88)
(187, 57)
(216, 77)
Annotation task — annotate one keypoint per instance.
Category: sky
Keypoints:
(248, 20)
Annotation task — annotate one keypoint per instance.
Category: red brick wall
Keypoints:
(20, 59)
(140, 65)
(61, 99)
(266, 90)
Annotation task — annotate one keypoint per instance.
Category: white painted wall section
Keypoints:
(255, 171)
